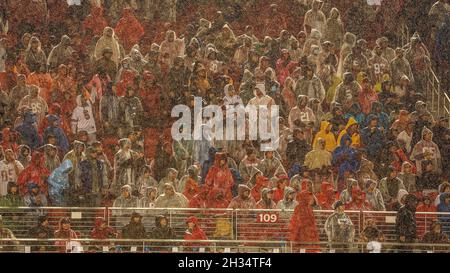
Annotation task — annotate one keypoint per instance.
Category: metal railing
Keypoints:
(218, 224)
(438, 102)
(209, 246)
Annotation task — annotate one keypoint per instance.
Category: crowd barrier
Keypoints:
(210, 246)
(218, 224)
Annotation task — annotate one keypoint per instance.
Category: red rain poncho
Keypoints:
(220, 177)
(95, 21)
(129, 29)
(35, 172)
(303, 227)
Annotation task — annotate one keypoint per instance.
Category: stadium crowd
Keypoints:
(87, 90)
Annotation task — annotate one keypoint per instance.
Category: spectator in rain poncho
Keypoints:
(170, 198)
(34, 173)
(390, 186)
(61, 53)
(288, 202)
(28, 131)
(345, 159)
(271, 166)
(58, 182)
(55, 130)
(149, 197)
(302, 225)
(108, 40)
(171, 178)
(95, 21)
(339, 228)
(172, 46)
(374, 196)
(346, 194)
(244, 200)
(426, 149)
(129, 29)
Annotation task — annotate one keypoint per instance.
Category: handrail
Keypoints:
(225, 242)
(206, 209)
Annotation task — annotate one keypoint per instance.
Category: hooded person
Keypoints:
(325, 134)
(125, 165)
(171, 199)
(108, 40)
(319, 157)
(266, 202)
(51, 158)
(124, 200)
(162, 230)
(244, 200)
(349, 41)
(134, 229)
(345, 158)
(399, 67)
(95, 21)
(219, 176)
(345, 195)
(231, 97)
(149, 197)
(301, 113)
(171, 47)
(55, 129)
(35, 57)
(339, 228)
(171, 177)
(137, 62)
(350, 130)
(334, 28)
(61, 53)
(374, 196)
(271, 166)
(36, 173)
(226, 42)
(260, 97)
(129, 29)
(327, 196)
(28, 131)
(390, 187)
(193, 231)
(288, 202)
(405, 225)
(191, 187)
(302, 226)
(373, 139)
(408, 177)
(359, 201)
(426, 149)
(58, 184)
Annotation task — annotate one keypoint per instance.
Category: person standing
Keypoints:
(340, 229)
(405, 225)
